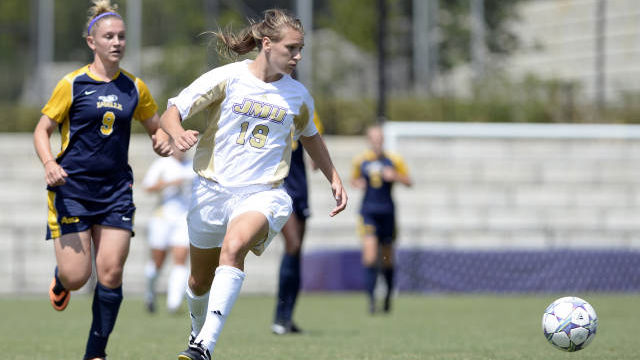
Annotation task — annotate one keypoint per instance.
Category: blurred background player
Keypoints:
(375, 171)
(293, 233)
(169, 177)
(256, 111)
(90, 182)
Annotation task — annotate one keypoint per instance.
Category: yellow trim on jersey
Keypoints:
(57, 108)
(97, 78)
(52, 218)
(147, 106)
(316, 120)
(64, 135)
(398, 163)
(203, 163)
(367, 155)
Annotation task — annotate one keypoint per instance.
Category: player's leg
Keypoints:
(73, 258)
(367, 230)
(151, 273)
(369, 262)
(72, 246)
(243, 232)
(386, 232)
(112, 248)
(157, 239)
(177, 282)
(289, 275)
(179, 273)
(386, 254)
(256, 219)
(203, 265)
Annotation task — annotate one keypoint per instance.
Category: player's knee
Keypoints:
(233, 251)
(293, 249)
(110, 276)
(73, 280)
(199, 286)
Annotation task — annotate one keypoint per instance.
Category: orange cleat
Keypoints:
(60, 300)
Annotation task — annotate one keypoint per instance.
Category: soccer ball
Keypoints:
(569, 323)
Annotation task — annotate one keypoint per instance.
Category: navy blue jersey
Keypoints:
(94, 120)
(377, 196)
(296, 182)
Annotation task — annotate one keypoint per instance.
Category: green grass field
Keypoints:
(337, 327)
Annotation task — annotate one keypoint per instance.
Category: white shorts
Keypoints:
(164, 232)
(213, 206)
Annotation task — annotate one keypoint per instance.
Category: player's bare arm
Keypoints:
(315, 146)
(170, 122)
(391, 175)
(54, 174)
(160, 139)
(359, 183)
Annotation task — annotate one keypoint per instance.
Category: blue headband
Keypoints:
(100, 17)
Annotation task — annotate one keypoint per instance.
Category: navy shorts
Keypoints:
(383, 226)
(301, 207)
(69, 215)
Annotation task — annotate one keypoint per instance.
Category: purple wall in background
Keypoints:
(433, 271)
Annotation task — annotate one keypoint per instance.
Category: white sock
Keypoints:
(176, 287)
(151, 273)
(197, 310)
(224, 292)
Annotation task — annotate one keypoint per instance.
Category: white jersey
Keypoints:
(250, 125)
(174, 199)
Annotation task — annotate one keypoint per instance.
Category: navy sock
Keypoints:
(370, 277)
(288, 288)
(388, 277)
(106, 304)
(58, 287)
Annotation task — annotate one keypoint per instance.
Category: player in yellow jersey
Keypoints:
(255, 111)
(90, 182)
(375, 171)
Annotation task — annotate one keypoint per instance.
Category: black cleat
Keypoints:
(280, 328)
(150, 306)
(294, 329)
(387, 304)
(195, 352)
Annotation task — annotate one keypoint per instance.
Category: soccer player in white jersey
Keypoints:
(169, 177)
(255, 111)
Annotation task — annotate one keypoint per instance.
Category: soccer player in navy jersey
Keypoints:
(293, 233)
(89, 181)
(375, 171)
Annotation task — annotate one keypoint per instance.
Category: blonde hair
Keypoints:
(100, 7)
(275, 20)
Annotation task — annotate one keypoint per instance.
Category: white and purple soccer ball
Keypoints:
(569, 323)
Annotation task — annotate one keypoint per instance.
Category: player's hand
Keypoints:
(185, 140)
(389, 174)
(161, 143)
(54, 174)
(340, 195)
